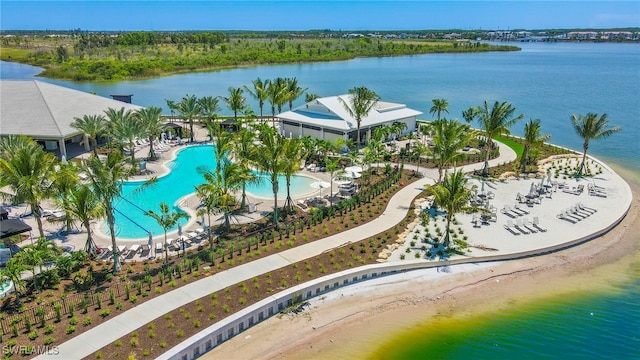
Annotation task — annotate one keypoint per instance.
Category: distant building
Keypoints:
(327, 119)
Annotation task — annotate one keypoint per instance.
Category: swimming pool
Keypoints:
(182, 180)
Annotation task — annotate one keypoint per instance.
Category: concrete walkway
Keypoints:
(93, 340)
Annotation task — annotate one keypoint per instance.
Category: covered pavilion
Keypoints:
(45, 111)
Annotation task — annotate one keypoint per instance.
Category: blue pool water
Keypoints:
(182, 180)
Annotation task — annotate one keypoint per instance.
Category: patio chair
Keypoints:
(510, 227)
(582, 207)
(507, 211)
(520, 227)
(527, 225)
(536, 224)
(564, 216)
(521, 210)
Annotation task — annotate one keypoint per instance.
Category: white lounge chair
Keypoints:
(536, 224)
(511, 228)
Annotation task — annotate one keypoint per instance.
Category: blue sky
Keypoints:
(306, 15)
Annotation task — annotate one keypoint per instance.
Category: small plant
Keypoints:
(180, 333)
(162, 344)
(151, 334)
(49, 340)
(33, 335)
(134, 341)
(71, 329)
(73, 320)
(119, 306)
(196, 324)
(86, 321)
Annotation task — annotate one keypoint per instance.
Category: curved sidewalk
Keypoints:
(96, 338)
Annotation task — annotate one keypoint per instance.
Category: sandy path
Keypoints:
(342, 325)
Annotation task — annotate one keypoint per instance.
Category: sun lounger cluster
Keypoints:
(514, 212)
(524, 226)
(576, 213)
(575, 190)
(595, 190)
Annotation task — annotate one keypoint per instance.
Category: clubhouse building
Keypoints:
(326, 118)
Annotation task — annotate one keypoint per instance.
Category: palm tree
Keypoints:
(309, 97)
(331, 165)
(360, 103)
(83, 205)
(221, 185)
(532, 139)
(126, 129)
(269, 159)
(419, 150)
(591, 127)
(397, 128)
(152, 124)
(92, 126)
(449, 137)
(209, 107)
(235, 101)
(453, 197)
(13, 271)
(166, 219)
(189, 109)
(65, 180)
(277, 91)
(493, 122)
(380, 133)
(259, 92)
(244, 150)
(470, 113)
(105, 178)
(439, 106)
(39, 253)
(293, 153)
(26, 170)
(293, 91)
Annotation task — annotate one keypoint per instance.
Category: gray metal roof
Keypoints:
(329, 112)
(45, 111)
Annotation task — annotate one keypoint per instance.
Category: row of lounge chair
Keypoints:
(524, 226)
(576, 213)
(575, 190)
(595, 190)
(514, 212)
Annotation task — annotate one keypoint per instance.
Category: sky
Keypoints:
(320, 14)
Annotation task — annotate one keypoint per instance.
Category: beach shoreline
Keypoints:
(354, 326)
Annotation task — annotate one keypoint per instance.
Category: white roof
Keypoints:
(329, 112)
(45, 111)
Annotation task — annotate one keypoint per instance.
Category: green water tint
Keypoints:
(576, 326)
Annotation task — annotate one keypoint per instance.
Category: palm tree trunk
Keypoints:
(95, 146)
(114, 245)
(585, 147)
(243, 201)
(275, 203)
(485, 169)
(35, 209)
(90, 245)
(191, 129)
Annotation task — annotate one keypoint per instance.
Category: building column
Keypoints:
(63, 148)
(322, 133)
(300, 127)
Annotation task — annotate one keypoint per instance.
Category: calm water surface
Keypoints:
(544, 81)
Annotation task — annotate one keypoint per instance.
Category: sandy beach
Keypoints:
(352, 322)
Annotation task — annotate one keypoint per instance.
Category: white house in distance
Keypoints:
(326, 118)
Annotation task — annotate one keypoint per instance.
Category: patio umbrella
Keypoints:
(320, 185)
(353, 175)
(342, 180)
(353, 169)
(150, 243)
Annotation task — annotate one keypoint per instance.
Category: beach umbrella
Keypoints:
(342, 180)
(353, 169)
(320, 185)
(150, 242)
(532, 190)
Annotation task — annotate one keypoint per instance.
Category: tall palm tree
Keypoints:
(235, 101)
(259, 92)
(221, 185)
(65, 180)
(420, 150)
(294, 91)
(397, 128)
(471, 113)
(244, 151)
(92, 126)
(270, 160)
(293, 153)
(277, 91)
(449, 136)
(453, 197)
(26, 170)
(591, 127)
(361, 102)
(152, 124)
(532, 139)
(83, 205)
(105, 178)
(331, 165)
(493, 122)
(166, 219)
(439, 106)
(189, 109)
(209, 107)
(126, 129)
